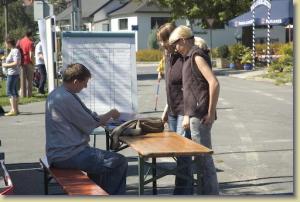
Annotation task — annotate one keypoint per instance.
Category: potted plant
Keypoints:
(236, 52)
(247, 59)
(222, 54)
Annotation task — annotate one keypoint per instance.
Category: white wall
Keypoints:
(219, 36)
(98, 25)
(132, 20)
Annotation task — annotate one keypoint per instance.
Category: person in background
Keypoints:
(69, 124)
(200, 94)
(161, 68)
(26, 47)
(12, 65)
(174, 111)
(40, 64)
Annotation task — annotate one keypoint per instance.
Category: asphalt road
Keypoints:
(252, 139)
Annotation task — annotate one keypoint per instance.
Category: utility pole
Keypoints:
(6, 17)
(76, 15)
(5, 3)
(210, 22)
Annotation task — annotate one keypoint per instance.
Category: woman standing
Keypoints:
(174, 111)
(12, 64)
(200, 94)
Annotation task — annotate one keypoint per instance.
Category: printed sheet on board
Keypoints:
(110, 56)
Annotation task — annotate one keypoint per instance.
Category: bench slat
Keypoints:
(74, 182)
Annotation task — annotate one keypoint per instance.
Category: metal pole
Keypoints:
(76, 15)
(253, 38)
(6, 17)
(6, 22)
(268, 39)
(210, 43)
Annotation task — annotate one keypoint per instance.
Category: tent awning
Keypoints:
(281, 13)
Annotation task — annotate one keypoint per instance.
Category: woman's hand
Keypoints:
(186, 122)
(208, 119)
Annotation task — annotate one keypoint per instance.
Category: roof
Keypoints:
(281, 13)
(111, 6)
(88, 8)
(139, 7)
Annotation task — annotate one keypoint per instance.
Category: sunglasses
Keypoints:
(175, 42)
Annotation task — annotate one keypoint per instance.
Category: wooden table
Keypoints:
(165, 144)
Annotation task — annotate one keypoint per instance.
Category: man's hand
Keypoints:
(114, 113)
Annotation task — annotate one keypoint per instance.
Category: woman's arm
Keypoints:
(214, 88)
(11, 64)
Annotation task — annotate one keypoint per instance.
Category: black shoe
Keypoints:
(42, 92)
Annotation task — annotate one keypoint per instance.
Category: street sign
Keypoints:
(210, 21)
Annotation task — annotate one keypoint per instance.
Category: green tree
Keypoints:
(20, 19)
(195, 10)
(152, 40)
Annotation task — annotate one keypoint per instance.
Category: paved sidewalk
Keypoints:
(23, 138)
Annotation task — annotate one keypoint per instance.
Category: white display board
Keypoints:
(48, 40)
(110, 56)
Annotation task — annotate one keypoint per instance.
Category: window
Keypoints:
(159, 21)
(105, 27)
(123, 24)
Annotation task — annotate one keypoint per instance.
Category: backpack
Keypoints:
(21, 51)
(134, 128)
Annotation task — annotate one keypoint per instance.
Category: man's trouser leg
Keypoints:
(29, 77)
(26, 79)
(23, 88)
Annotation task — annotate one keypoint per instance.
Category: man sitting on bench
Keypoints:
(68, 126)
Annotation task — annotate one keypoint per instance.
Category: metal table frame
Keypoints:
(153, 165)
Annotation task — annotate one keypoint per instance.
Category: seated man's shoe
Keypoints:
(11, 113)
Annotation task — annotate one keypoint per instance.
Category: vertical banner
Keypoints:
(51, 49)
(110, 56)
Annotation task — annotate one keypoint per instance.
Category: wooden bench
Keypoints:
(73, 182)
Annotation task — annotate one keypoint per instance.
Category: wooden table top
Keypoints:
(165, 144)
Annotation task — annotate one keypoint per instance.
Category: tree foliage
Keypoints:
(194, 10)
(20, 19)
(152, 39)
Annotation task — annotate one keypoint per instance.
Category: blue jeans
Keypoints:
(43, 77)
(201, 134)
(12, 85)
(107, 169)
(182, 186)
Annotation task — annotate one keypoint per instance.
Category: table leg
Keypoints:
(199, 175)
(94, 140)
(107, 139)
(141, 175)
(154, 189)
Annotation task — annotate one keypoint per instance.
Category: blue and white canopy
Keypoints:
(281, 13)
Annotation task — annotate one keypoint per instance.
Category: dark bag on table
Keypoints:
(134, 128)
